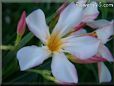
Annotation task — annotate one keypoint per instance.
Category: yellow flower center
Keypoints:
(54, 43)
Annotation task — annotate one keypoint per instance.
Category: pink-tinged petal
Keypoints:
(77, 28)
(80, 26)
(21, 24)
(105, 53)
(82, 47)
(105, 33)
(69, 18)
(90, 12)
(98, 23)
(104, 73)
(37, 24)
(79, 32)
(97, 58)
(93, 59)
(31, 56)
(62, 7)
(63, 70)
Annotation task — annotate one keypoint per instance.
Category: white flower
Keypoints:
(104, 31)
(55, 45)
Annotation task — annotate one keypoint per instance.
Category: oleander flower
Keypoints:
(56, 44)
(104, 30)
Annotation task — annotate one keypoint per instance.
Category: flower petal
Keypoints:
(82, 47)
(104, 73)
(63, 70)
(91, 12)
(79, 32)
(93, 59)
(105, 53)
(105, 33)
(32, 56)
(69, 17)
(81, 2)
(98, 23)
(37, 24)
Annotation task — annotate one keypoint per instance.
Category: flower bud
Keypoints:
(21, 24)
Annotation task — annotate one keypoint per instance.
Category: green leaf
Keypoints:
(11, 62)
(26, 39)
(92, 68)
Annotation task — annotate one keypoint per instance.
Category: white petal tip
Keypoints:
(104, 73)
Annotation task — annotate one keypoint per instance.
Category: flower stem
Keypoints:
(6, 47)
(18, 39)
(45, 73)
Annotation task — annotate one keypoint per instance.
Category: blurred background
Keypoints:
(11, 12)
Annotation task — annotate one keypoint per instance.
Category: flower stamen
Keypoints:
(54, 43)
